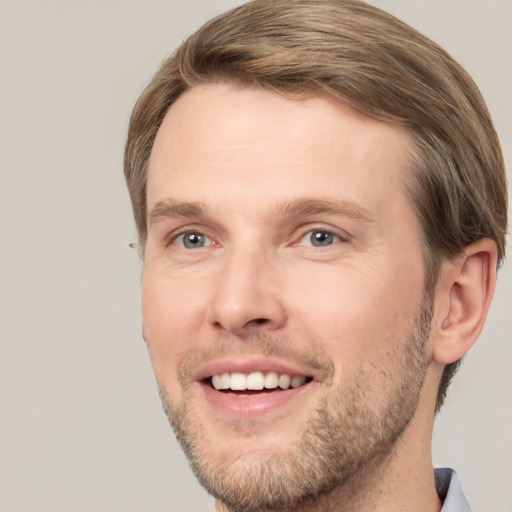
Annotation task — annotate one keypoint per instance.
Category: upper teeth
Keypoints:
(256, 381)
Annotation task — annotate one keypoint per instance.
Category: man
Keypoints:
(321, 204)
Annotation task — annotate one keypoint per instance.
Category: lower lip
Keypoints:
(251, 405)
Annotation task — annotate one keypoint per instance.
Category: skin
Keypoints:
(263, 168)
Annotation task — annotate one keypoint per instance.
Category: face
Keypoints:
(282, 291)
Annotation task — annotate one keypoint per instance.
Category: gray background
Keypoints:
(81, 428)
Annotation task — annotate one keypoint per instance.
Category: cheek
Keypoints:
(172, 312)
(357, 315)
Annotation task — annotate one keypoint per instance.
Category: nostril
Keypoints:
(249, 326)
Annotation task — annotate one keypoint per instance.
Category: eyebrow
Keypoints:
(313, 206)
(171, 208)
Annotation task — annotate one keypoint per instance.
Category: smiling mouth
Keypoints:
(256, 381)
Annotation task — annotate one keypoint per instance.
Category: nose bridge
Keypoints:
(246, 298)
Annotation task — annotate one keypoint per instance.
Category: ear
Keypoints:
(462, 299)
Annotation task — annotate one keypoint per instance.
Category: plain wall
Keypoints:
(81, 426)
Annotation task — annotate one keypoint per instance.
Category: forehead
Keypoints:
(249, 138)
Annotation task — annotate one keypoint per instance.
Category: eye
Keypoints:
(192, 240)
(319, 238)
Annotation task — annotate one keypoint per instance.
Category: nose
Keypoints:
(247, 298)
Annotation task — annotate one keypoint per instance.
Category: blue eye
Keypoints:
(319, 238)
(192, 240)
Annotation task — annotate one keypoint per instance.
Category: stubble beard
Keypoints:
(345, 439)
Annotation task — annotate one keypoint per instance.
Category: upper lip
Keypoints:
(248, 366)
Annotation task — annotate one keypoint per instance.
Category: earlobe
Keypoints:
(464, 293)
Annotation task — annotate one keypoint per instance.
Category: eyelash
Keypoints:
(339, 237)
(173, 237)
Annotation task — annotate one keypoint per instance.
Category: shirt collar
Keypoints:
(450, 491)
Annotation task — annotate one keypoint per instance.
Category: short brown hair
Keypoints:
(373, 62)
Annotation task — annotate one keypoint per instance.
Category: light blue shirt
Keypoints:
(449, 489)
